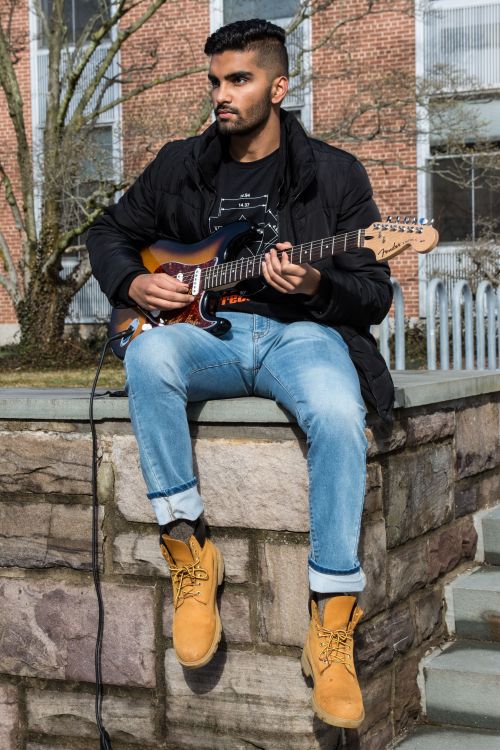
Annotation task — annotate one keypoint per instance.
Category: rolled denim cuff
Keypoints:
(336, 583)
(171, 505)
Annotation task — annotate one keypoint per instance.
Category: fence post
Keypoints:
(462, 291)
(437, 288)
(399, 326)
(485, 305)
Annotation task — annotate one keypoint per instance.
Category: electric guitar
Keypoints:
(207, 268)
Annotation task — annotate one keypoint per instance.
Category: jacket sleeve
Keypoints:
(355, 289)
(116, 237)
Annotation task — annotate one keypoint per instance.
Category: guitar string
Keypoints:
(230, 267)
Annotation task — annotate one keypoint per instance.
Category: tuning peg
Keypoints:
(431, 222)
(422, 220)
(407, 220)
(398, 219)
(414, 220)
(389, 218)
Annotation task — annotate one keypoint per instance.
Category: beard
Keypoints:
(255, 118)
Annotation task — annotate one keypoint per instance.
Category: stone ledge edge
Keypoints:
(412, 389)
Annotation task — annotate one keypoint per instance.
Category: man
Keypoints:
(299, 335)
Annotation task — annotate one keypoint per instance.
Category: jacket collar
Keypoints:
(296, 167)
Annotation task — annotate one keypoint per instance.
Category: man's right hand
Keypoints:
(159, 291)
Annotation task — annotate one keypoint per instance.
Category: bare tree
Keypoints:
(54, 197)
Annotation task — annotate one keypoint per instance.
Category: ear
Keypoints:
(279, 89)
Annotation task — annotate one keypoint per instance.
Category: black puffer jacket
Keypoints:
(320, 191)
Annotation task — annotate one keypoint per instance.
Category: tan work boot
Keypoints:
(196, 572)
(328, 658)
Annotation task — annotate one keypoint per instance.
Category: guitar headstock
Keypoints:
(389, 238)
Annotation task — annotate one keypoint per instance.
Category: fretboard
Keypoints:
(251, 267)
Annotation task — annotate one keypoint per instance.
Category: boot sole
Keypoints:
(218, 625)
(334, 721)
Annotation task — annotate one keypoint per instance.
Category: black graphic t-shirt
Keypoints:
(244, 193)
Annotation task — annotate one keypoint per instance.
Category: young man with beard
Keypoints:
(299, 335)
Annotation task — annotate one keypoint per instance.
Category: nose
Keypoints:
(222, 94)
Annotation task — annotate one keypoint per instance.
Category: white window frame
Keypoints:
(217, 20)
(423, 146)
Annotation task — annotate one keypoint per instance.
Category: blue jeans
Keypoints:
(305, 367)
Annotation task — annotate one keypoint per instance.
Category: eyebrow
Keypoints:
(235, 74)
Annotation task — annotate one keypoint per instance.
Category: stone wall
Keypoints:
(426, 477)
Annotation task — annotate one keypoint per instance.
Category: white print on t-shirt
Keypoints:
(253, 209)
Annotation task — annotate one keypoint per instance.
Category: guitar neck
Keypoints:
(223, 274)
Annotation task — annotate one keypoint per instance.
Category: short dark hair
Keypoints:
(267, 39)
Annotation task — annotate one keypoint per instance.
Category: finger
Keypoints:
(275, 279)
(164, 281)
(157, 303)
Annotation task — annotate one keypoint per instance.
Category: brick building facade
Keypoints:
(348, 96)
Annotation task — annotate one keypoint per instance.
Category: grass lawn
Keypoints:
(112, 376)
(73, 367)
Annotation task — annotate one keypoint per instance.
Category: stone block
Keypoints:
(406, 705)
(466, 500)
(377, 693)
(428, 609)
(373, 494)
(58, 713)
(468, 535)
(284, 592)
(373, 557)
(407, 569)
(247, 700)
(384, 637)
(378, 738)
(46, 535)
(384, 438)
(139, 554)
(8, 717)
(488, 490)
(234, 611)
(430, 427)
(228, 482)
(322, 737)
(418, 492)
(445, 551)
(49, 629)
(45, 463)
(477, 439)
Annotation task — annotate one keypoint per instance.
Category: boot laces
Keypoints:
(186, 580)
(337, 646)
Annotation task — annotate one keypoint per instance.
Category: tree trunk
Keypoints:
(41, 315)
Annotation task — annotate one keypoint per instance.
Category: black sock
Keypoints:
(183, 528)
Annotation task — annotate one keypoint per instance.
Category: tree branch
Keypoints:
(11, 281)
(11, 198)
(114, 47)
(80, 274)
(145, 87)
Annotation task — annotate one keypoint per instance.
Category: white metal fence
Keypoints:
(473, 339)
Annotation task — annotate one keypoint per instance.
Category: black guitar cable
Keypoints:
(105, 742)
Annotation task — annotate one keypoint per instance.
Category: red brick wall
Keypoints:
(357, 59)
(20, 32)
(352, 68)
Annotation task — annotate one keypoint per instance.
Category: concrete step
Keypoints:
(439, 738)
(491, 533)
(476, 605)
(462, 685)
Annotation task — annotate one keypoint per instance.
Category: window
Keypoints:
(77, 15)
(465, 194)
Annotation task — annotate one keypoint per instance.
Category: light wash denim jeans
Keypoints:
(303, 366)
